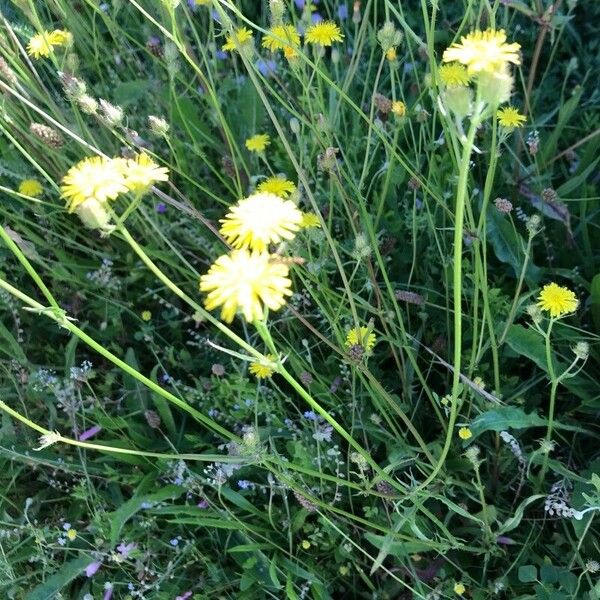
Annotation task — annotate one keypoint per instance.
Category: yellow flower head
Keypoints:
(464, 433)
(40, 45)
(391, 54)
(258, 142)
(323, 33)
(360, 337)
(246, 281)
(277, 185)
(141, 172)
(60, 37)
(290, 52)
(510, 117)
(306, 544)
(31, 187)
(95, 178)
(146, 315)
(557, 300)
(281, 37)
(259, 220)
(399, 108)
(310, 220)
(71, 534)
(483, 51)
(262, 370)
(454, 75)
(459, 588)
(238, 39)
(202, 2)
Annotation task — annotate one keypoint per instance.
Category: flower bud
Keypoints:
(459, 100)
(94, 216)
(113, 115)
(495, 88)
(158, 125)
(581, 350)
(389, 37)
(87, 104)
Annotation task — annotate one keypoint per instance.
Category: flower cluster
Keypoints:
(92, 182)
(482, 58)
(285, 37)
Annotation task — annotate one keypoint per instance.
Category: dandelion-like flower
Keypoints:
(277, 185)
(246, 281)
(464, 433)
(361, 337)
(31, 187)
(281, 37)
(262, 370)
(557, 300)
(258, 142)
(310, 220)
(259, 220)
(510, 117)
(95, 178)
(323, 33)
(459, 589)
(146, 315)
(238, 39)
(142, 172)
(399, 108)
(483, 51)
(39, 45)
(391, 54)
(454, 75)
(60, 37)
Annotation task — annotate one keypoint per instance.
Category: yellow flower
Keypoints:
(141, 172)
(454, 75)
(399, 108)
(306, 544)
(459, 588)
(71, 534)
(281, 37)
(95, 178)
(323, 33)
(146, 315)
(464, 433)
(238, 39)
(277, 185)
(39, 45)
(245, 281)
(510, 117)
(262, 370)
(259, 220)
(483, 51)
(361, 337)
(310, 220)
(557, 300)
(258, 142)
(290, 52)
(31, 187)
(60, 37)
(202, 2)
(391, 54)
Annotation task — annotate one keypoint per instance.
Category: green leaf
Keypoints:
(514, 521)
(527, 574)
(12, 349)
(509, 246)
(119, 517)
(503, 418)
(69, 571)
(273, 572)
(129, 92)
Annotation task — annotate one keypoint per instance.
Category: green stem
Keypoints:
(553, 387)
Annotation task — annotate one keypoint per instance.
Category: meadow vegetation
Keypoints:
(299, 299)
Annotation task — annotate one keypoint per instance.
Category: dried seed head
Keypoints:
(305, 503)
(88, 104)
(581, 350)
(48, 136)
(503, 205)
(111, 114)
(383, 104)
(152, 419)
(389, 37)
(73, 87)
(6, 72)
(410, 297)
(356, 352)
